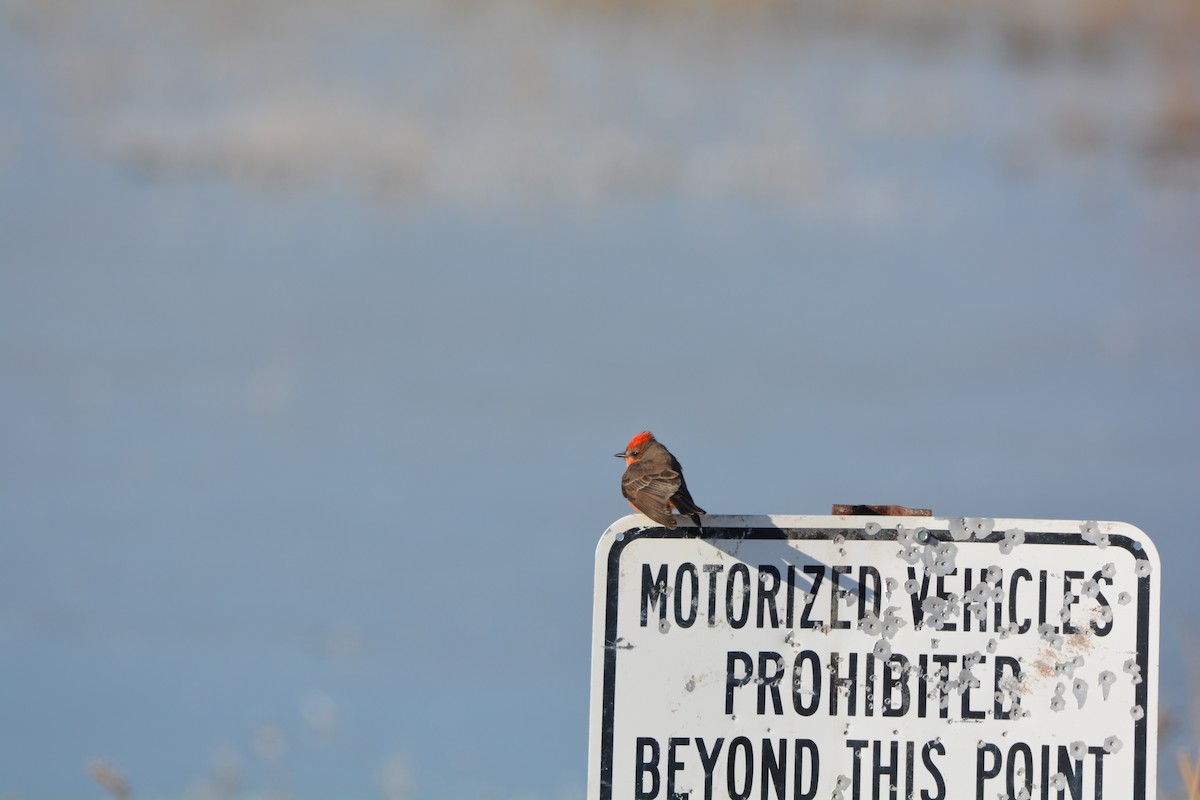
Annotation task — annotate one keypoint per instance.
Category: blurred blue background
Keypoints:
(319, 323)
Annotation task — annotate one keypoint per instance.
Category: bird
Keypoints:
(653, 481)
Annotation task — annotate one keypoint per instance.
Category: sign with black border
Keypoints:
(874, 657)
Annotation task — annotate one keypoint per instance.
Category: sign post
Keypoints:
(860, 658)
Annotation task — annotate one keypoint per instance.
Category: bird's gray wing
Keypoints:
(650, 493)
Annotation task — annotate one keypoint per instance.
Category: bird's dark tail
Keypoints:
(685, 505)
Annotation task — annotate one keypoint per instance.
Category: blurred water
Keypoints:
(318, 326)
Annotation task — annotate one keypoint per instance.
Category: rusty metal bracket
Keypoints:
(857, 510)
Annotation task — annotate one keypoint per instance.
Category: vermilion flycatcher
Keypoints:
(653, 481)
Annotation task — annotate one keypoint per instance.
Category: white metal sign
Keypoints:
(860, 658)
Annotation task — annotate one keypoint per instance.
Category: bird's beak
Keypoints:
(618, 455)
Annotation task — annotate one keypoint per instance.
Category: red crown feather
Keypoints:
(645, 437)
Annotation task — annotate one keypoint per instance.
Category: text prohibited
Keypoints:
(869, 658)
